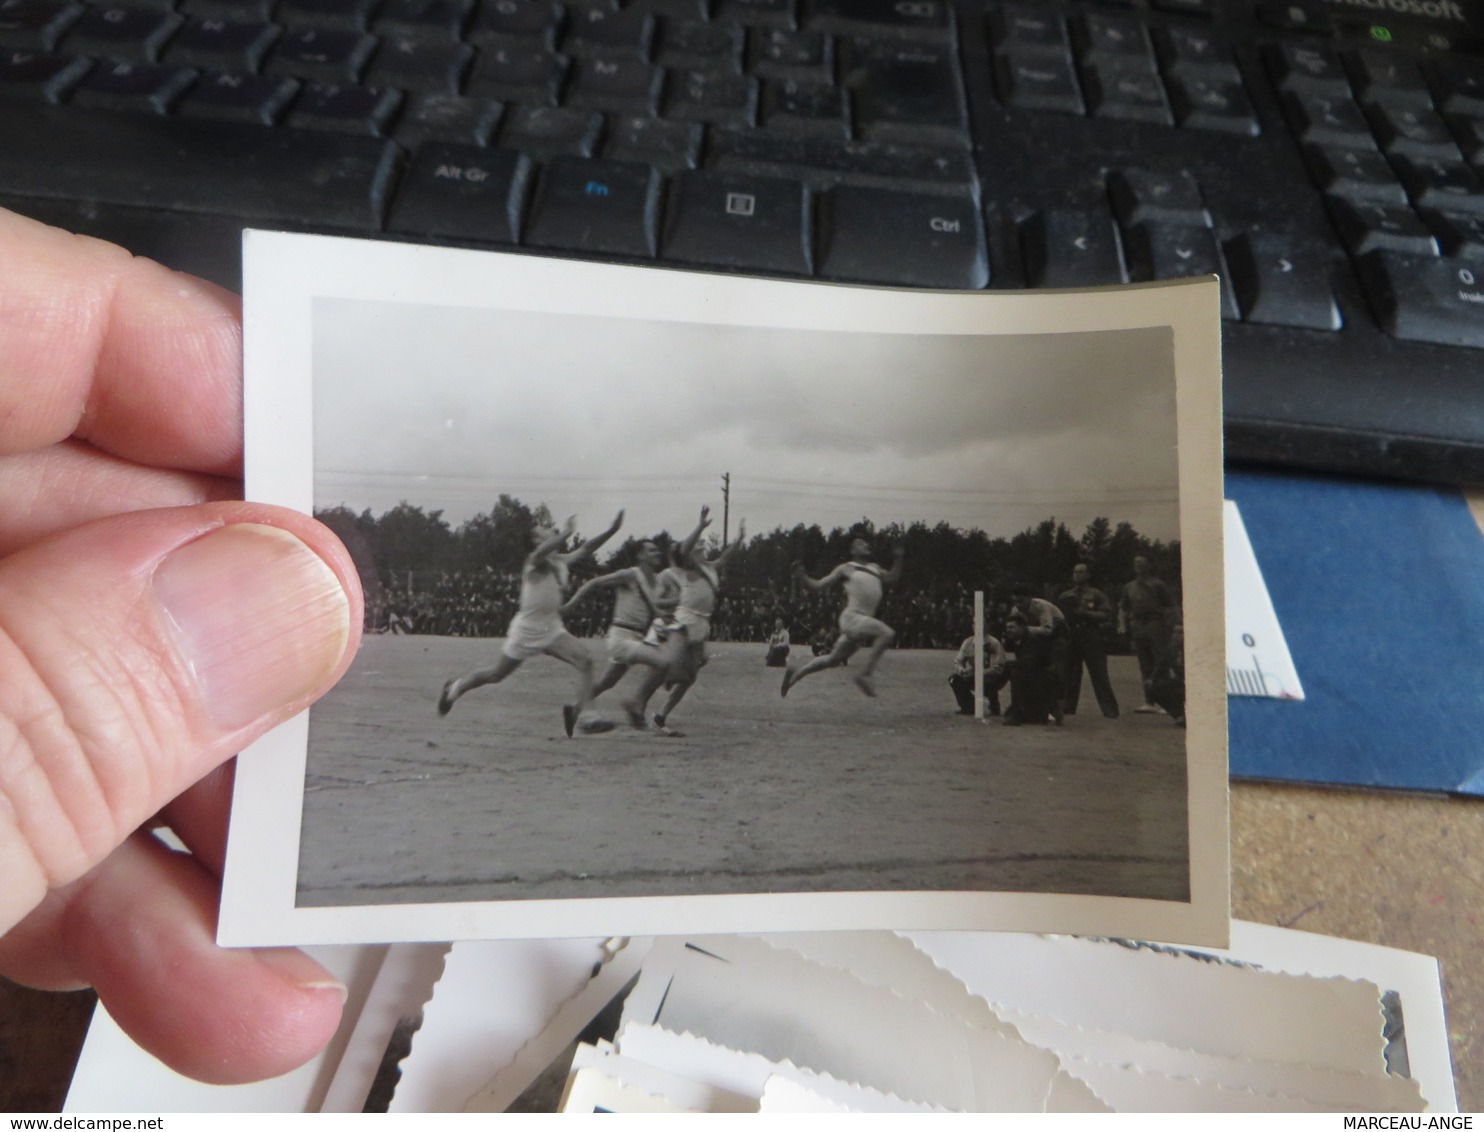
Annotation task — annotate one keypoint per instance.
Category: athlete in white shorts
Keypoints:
(699, 579)
(537, 626)
(864, 582)
(643, 599)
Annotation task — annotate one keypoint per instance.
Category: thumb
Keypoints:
(140, 651)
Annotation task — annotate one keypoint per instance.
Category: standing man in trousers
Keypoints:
(1089, 612)
(1144, 614)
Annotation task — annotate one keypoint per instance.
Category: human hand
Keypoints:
(150, 628)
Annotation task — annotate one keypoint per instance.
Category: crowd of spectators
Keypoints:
(481, 605)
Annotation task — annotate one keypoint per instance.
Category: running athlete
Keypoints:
(537, 625)
(699, 579)
(643, 602)
(864, 581)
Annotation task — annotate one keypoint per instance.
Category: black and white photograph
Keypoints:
(739, 604)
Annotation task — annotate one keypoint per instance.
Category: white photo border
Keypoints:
(283, 275)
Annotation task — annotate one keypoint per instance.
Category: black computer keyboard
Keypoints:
(1322, 156)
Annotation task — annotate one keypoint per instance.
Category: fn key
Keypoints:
(911, 239)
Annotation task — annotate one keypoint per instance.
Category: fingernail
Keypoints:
(259, 618)
(293, 966)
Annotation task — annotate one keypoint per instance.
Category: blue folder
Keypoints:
(1380, 592)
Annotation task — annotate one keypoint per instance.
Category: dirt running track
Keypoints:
(827, 790)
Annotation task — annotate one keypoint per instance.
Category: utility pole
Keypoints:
(726, 507)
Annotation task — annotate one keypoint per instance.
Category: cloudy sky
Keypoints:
(446, 408)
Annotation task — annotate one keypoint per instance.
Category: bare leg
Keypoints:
(574, 653)
(843, 650)
(873, 657)
(476, 679)
(611, 676)
(677, 693)
(658, 661)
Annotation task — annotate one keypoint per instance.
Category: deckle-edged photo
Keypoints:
(706, 603)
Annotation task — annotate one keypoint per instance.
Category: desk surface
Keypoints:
(1402, 870)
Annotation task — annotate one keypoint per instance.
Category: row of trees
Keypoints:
(408, 549)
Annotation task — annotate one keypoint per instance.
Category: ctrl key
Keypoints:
(462, 192)
(1425, 299)
(919, 240)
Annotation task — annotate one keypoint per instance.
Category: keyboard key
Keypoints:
(1065, 248)
(1212, 103)
(321, 55)
(1367, 227)
(1279, 282)
(239, 98)
(1469, 133)
(532, 75)
(26, 75)
(1309, 71)
(757, 13)
(620, 85)
(1450, 185)
(1178, 251)
(1112, 35)
(345, 109)
(1128, 89)
(533, 21)
(812, 109)
(595, 31)
(1413, 133)
(803, 56)
(123, 34)
(746, 223)
(1426, 299)
(603, 207)
(543, 131)
(426, 65)
(929, 20)
(1184, 49)
(881, 236)
(423, 19)
(1024, 31)
(137, 87)
(717, 99)
(907, 94)
(1295, 16)
(276, 176)
(1039, 82)
(462, 192)
(1459, 233)
(1362, 174)
(221, 45)
(672, 10)
(447, 118)
(36, 25)
(1329, 121)
(668, 146)
(1457, 85)
(1387, 77)
(1143, 195)
(340, 15)
(701, 47)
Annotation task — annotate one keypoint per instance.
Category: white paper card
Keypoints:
(456, 381)
(1257, 658)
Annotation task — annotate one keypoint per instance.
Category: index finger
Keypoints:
(140, 361)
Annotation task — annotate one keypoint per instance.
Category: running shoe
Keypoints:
(446, 697)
